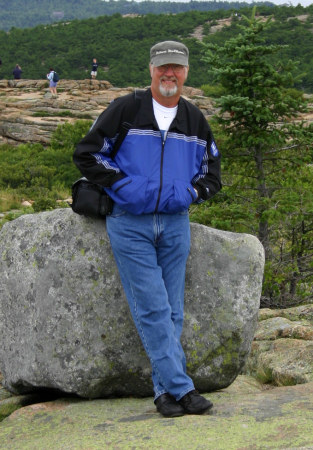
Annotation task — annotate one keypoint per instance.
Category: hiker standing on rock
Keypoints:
(53, 79)
(17, 72)
(167, 161)
(94, 69)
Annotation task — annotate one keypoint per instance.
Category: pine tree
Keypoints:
(266, 156)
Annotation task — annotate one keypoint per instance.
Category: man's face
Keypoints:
(167, 80)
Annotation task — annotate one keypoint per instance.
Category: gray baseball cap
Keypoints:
(169, 52)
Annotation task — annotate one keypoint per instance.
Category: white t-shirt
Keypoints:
(164, 116)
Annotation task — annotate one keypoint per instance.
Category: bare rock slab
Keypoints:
(243, 417)
(65, 323)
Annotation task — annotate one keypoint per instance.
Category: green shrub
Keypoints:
(44, 175)
(214, 91)
(44, 204)
(68, 135)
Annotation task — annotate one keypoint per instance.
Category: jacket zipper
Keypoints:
(161, 178)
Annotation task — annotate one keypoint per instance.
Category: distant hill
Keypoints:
(121, 44)
(29, 13)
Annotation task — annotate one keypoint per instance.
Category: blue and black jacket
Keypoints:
(149, 174)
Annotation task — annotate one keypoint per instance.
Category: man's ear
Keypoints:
(151, 69)
(187, 70)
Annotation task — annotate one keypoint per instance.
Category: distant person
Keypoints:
(17, 72)
(94, 69)
(53, 84)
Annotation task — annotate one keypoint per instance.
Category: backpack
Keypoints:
(56, 77)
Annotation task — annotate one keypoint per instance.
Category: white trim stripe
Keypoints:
(185, 138)
(170, 135)
(105, 163)
(135, 131)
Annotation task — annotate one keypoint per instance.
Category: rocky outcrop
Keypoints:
(282, 351)
(29, 114)
(64, 320)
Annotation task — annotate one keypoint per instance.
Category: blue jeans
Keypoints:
(151, 251)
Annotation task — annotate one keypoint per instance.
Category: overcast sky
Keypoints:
(277, 2)
(288, 2)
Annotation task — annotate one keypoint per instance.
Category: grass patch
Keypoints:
(264, 375)
(9, 200)
(6, 409)
(61, 114)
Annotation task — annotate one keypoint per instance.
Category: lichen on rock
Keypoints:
(65, 322)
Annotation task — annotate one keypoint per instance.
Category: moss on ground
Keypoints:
(243, 416)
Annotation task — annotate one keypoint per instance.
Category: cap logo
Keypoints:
(160, 52)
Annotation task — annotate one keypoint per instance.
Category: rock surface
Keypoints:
(29, 114)
(244, 416)
(282, 351)
(65, 324)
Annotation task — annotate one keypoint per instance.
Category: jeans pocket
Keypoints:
(117, 211)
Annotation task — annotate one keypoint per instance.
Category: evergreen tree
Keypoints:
(265, 157)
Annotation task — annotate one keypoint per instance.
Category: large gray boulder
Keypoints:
(64, 319)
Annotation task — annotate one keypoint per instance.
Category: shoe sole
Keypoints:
(202, 411)
(177, 414)
(172, 415)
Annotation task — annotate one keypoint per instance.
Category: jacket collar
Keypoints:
(146, 116)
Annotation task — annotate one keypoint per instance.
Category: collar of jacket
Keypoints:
(146, 116)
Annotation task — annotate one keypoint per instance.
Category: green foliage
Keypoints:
(122, 44)
(213, 91)
(8, 200)
(294, 36)
(44, 204)
(30, 171)
(267, 171)
(67, 136)
(21, 14)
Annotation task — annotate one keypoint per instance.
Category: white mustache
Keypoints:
(168, 79)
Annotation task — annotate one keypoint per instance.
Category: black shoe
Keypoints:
(168, 406)
(194, 403)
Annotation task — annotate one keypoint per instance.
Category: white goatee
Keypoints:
(168, 92)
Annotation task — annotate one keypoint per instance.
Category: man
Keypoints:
(94, 69)
(17, 72)
(167, 161)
